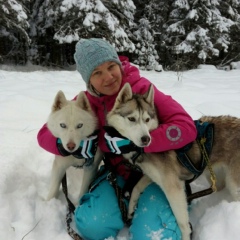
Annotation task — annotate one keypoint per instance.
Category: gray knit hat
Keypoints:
(91, 53)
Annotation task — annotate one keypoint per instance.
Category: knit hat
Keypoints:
(90, 53)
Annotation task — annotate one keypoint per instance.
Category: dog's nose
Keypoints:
(71, 146)
(145, 140)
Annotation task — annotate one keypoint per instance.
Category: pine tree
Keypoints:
(158, 16)
(198, 31)
(95, 18)
(143, 36)
(231, 10)
(147, 57)
(13, 31)
(183, 35)
(63, 23)
(181, 32)
(44, 49)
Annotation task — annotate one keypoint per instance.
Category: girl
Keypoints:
(98, 215)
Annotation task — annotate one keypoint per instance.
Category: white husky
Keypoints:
(134, 116)
(72, 121)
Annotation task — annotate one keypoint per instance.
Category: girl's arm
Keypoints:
(176, 127)
(47, 141)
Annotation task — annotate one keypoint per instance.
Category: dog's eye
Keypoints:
(131, 119)
(147, 120)
(63, 125)
(79, 125)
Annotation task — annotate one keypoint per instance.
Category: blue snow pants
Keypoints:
(98, 215)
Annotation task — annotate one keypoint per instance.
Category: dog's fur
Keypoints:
(134, 116)
(71, 121)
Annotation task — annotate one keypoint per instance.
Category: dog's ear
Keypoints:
(149, 95)
(125, 94)
(59, 101)
(83, 102)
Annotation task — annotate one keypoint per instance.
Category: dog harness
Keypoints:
(204, 131)
(204, 139)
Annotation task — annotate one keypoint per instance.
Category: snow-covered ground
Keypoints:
(25, 102)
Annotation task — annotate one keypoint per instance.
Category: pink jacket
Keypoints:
(176, 127)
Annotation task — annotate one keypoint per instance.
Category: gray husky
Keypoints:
(134, 116)
(72, 121)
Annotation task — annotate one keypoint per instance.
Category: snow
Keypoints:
(235, 65)
(5, 9)
(25, 102)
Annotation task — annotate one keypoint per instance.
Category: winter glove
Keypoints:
(87, 147)
(117, 143)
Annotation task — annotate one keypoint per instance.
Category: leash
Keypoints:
(71, 207)
(70, 211)
(119, 193)
(213, 176)
(213, 187)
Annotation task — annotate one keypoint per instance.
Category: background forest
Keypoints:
(179, 34)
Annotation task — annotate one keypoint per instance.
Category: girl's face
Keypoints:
(107, 78)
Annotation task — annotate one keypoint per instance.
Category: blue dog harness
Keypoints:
(204, 131)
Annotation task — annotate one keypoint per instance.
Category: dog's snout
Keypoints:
(145, 140)
(71, 146)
